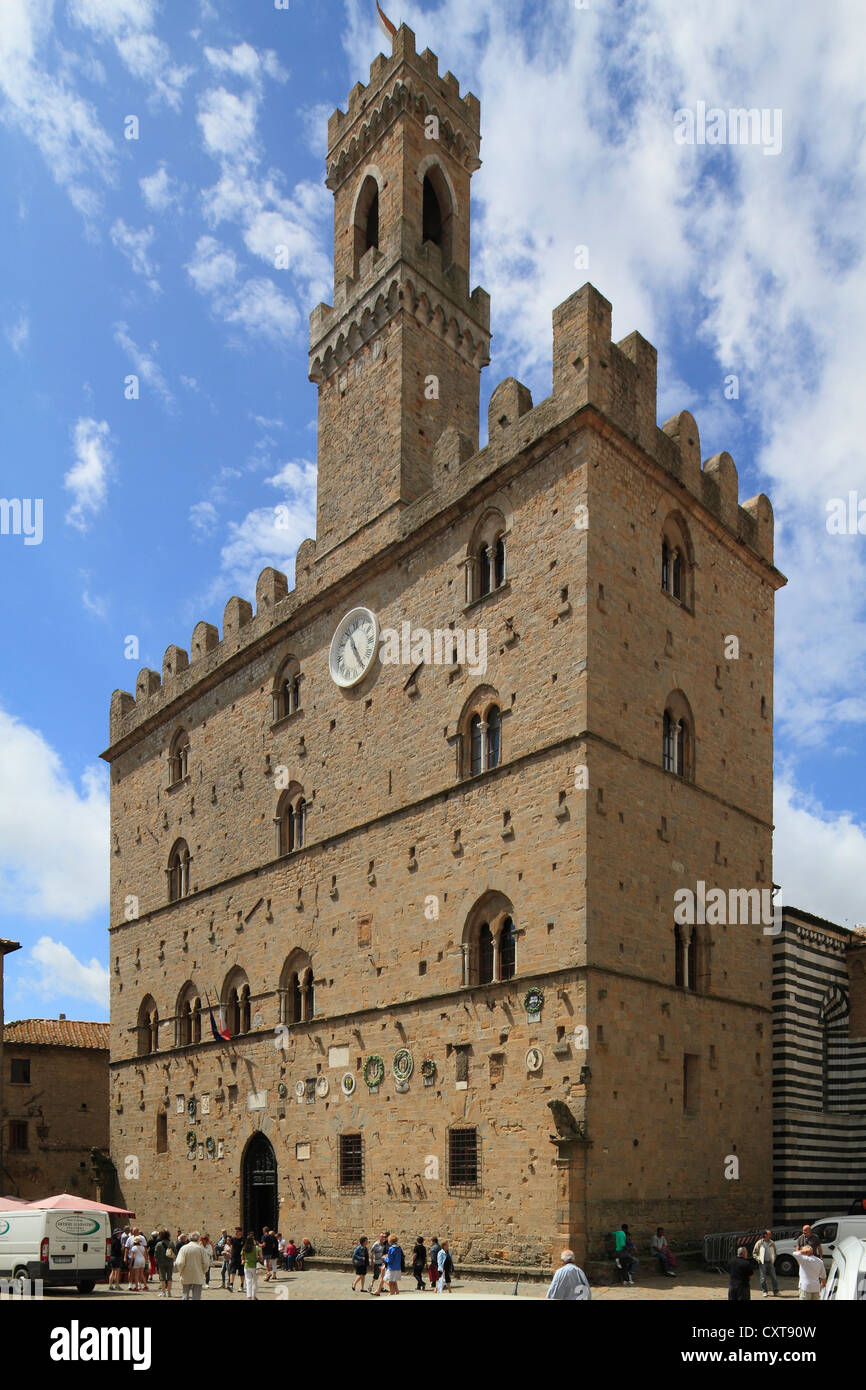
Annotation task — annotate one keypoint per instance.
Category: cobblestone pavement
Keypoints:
(332, 1285)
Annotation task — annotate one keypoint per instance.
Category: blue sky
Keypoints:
(154, 256)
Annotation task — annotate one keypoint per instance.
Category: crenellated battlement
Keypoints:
(391, 81)
(620, 380)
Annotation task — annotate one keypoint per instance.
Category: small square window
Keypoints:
(20, 1071)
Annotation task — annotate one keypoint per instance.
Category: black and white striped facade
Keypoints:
(819, 1068)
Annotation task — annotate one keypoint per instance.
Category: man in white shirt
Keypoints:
(192, 1264)
(813, 1276)
(570, 1281)
(764, 1255)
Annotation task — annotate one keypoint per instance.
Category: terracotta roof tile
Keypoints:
(56, 1032)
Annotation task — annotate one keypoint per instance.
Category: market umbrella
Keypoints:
(64, 1201)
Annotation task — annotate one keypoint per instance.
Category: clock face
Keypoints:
(353, 647)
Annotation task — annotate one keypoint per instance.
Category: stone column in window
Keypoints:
(465, 950)
(470, 565)
(495, 973)
(484, 747)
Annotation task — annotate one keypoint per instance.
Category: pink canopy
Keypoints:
(64, 1201)
(12, 1203)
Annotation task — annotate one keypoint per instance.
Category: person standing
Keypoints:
(116, 1260)
(223, 1252)
(446, 1265)
(764, 1253)
(740, 1271)
(269, 1253)
(569, 1281)
(419, 1262)
(807, 1238)
(138, 1261)
(207, 1245)
(252, 1257)
(378, 1255)
(192, 1264)
(164, 1253)
(434, 1262)
(236, 1267)
(291, 1253)
(360, 1262)
(622, 1259)
(813, 1275)
(394, 1264)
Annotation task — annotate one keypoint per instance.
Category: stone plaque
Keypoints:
(302, 1151)
(257, 1100)
(338, 1057)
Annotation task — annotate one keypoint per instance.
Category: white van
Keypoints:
(828, 1232)
(847, 1277)
(58, 1247)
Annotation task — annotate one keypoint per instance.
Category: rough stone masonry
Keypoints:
(437, 907)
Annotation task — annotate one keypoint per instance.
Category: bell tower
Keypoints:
(397, 358)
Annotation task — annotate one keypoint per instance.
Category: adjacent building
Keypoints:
(414, 828)
(819, 1067)
(55, 1109)
(6, 948)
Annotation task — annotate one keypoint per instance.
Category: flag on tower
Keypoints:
(385, 24)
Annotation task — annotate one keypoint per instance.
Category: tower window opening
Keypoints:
(371, 232)
(432, 214)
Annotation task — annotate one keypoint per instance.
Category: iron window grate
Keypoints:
(464, 1161)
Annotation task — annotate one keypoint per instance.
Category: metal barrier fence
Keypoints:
(720, 1249)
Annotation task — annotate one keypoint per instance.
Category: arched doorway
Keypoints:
(259, 1185)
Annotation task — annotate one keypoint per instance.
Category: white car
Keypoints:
(847, 1277)
(829, 1231)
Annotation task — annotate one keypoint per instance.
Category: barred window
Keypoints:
(351, 1160)
(18, 1136)
(463, 1164)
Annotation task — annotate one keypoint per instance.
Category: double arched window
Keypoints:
(178, 871)
(291, 820)
(187, 1022)
(676, 560)
(235, 1001)
(489, 941)
(692, 958)
(678, 737)
(178, 758)
(286, 693)
(147, 1026)
(480, 734)
(485, 562)
(297, 990)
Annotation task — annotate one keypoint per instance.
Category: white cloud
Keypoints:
(271, 535)
(246, 62)
(135, 245)
(204, 517)
(64, 127)
(159, 190)
(228, 123)
(18, 334)
(88, 477)
(53, 835)
(129, 25)
(62, 975)
(818, 856)
(315, 122)
(256, 305)
(95, 605)
(145, 363)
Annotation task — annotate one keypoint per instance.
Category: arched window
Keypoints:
(178, 871)
(291, 820)
(178, 758)
(485, 561)
(235, 1001)
(678, 737)
(692, 958)
(489, 941)
(437, 213)
(147, 1026)
(286, 693)
(479, 732)
(365, 231)
(187, 1023)
(297, 991)
(677, 561)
